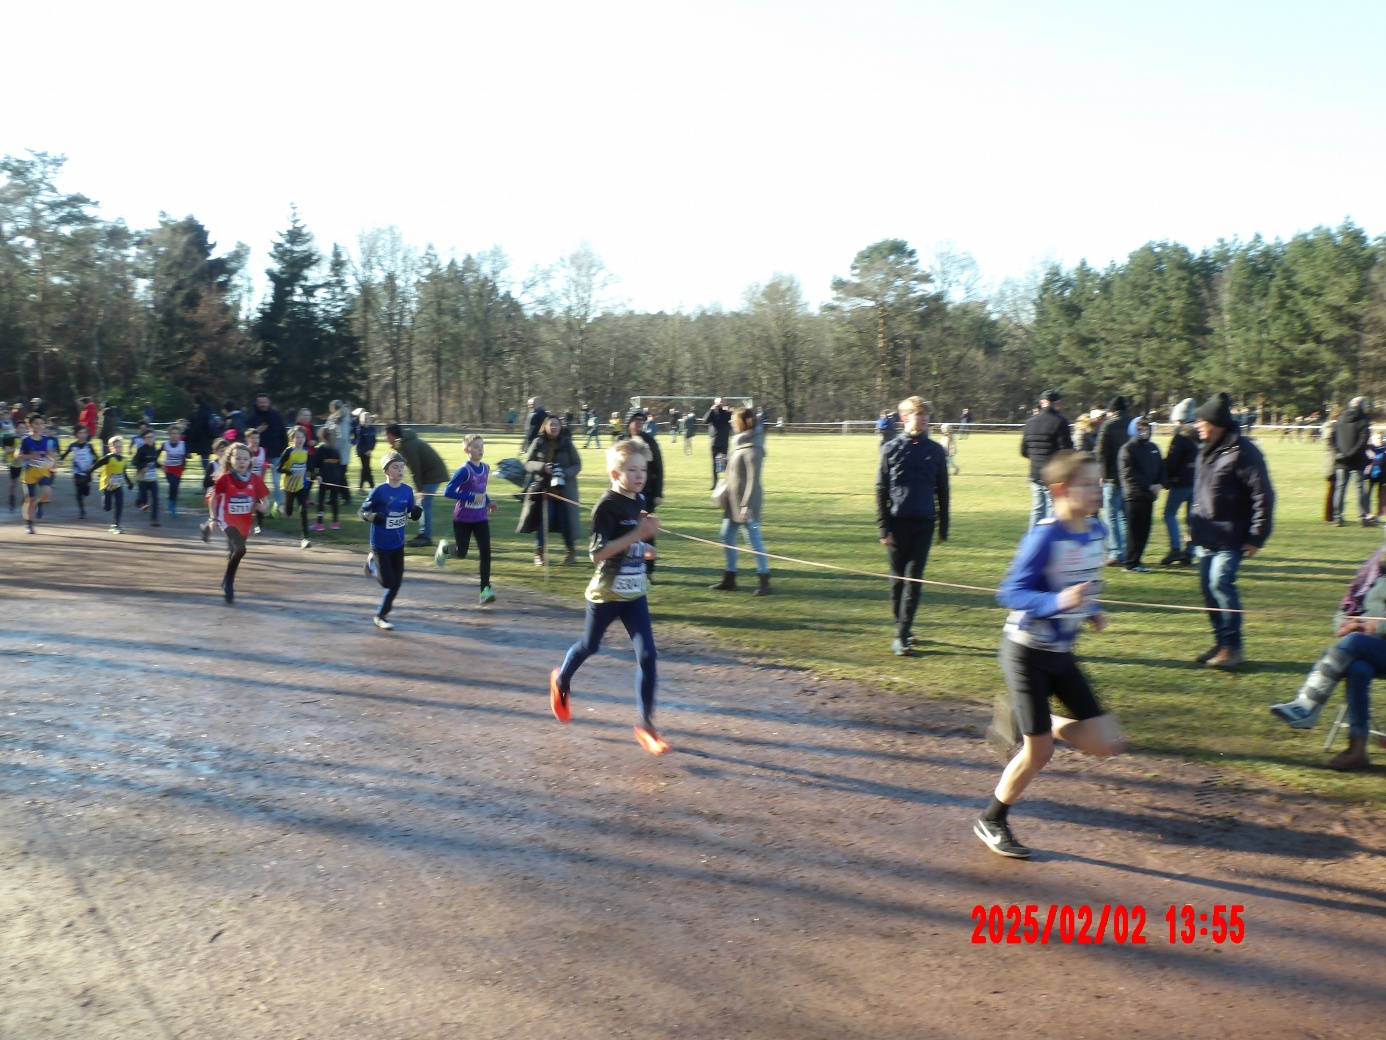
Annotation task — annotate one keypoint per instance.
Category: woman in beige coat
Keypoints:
(741, 502)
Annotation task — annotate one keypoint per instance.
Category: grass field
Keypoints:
(820, 506)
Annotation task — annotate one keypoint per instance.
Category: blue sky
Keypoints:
(702, 147)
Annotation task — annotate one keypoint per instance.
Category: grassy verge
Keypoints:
(820, 506)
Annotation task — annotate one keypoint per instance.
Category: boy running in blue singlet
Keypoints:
(386, 509)
(1051, 589)
(623, 534)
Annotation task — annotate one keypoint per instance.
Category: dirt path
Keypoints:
(328, 831)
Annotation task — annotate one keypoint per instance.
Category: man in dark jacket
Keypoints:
(427, 472)
(911, 502)
(533, 422)
(274, 439)
(1142, 479)
(1109, 441)
(199, 432)
(1233, 506)
(1351, 434)
(1046, 434)
(718, 419)
(654, 480)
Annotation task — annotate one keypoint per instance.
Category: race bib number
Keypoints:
(298, 469)
(148, 473)
(394, 521)
(240, 505)
(476, 501)
(629, 583)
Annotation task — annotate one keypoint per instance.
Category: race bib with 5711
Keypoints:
(239, 505)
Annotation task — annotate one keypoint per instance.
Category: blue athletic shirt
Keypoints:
(393, 504)
(1049, 560)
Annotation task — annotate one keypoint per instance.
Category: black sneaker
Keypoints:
(999, 838)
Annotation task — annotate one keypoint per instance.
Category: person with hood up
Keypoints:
(1180, 460)
(1351, 434)
(1232, 516)
(1110, 438)
(1142, 479)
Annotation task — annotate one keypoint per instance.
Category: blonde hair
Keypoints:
(914, 404)
(618, 453)
(471, 439)
(743, 419)
(1064, 466)
(234, 447)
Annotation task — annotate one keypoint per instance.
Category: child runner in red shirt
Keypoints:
(237, 497)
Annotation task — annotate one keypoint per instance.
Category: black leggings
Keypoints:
(462, 535)
(174, 480)
(115, 498)
(335, 494)
(235, 553)
(82, 483)
(301, 498)
(366, 479)
(389, 567)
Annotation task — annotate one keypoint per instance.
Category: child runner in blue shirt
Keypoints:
(386, 509)
(471, 515)
(622, 537)
(1051, 589)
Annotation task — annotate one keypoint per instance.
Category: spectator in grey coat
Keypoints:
(1351, 434)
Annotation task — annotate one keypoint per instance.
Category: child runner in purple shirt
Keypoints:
(471, 515)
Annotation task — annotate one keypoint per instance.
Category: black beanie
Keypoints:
(1117, 404)
(1217, 410)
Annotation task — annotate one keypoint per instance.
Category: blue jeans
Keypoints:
(1217, 580)
(1114, 513)
(1041, 502)
(272, 471)
(729, 530)
(429, 491)
(1340, 485)
(635, 615)
(1369, 653)
(558, 523)
(1176, 499)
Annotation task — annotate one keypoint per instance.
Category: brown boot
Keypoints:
(1208, 654)
(727, 584)
(1355, 757)
(1226, 658)
(570, 558)
(763, 589)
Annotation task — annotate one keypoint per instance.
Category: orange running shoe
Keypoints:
(558, 699)
(650, 740)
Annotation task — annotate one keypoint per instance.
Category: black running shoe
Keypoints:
(999, 838)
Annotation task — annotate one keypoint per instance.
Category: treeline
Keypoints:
(89, 306)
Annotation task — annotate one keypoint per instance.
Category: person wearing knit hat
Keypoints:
(1232, 515)
(1113, 434)
(1181, 458)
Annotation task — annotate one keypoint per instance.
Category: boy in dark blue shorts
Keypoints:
(1050, 589)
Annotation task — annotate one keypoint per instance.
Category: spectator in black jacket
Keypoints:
(654, 481)
(1110, 438)
(1046, 434)
(911, 503)
(199, 434)
(1180, 459)
(534, 422)
(274, 438)
(1142, 479)
(719, 420)
(1351, 434)
(1233, 509)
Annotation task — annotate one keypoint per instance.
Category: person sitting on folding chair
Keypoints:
(1358, 657)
